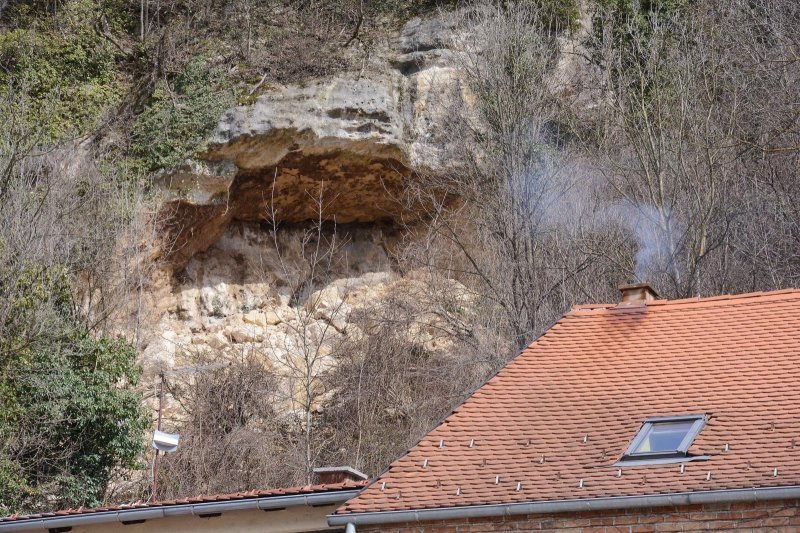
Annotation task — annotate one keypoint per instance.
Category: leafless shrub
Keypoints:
(686, 150)
(231, 437)
(307, 353)
(392, 384)
(515, 237)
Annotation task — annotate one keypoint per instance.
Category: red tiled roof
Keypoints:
(214, 498)
(599, 372)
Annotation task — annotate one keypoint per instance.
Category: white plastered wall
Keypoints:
(292, 520)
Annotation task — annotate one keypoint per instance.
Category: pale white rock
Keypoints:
(197, 181)
(240, 332)
(271, 317)
(327, 302)
(342, 112)
(187, 303)
(217, 341)
(216, 301)
(280, 341)
(212, 324)
(255, 318)
(339, 324)
(161, 350)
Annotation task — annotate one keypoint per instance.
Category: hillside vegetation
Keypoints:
(605, 141)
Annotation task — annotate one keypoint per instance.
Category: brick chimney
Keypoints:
(637, 293)
(337, 474)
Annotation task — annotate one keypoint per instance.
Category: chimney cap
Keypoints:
(338, 474)
(637, 292)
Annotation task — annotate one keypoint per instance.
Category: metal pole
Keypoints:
(163, 380)
(161, 400)
(158, 426)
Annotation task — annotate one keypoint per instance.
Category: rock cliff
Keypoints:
(337, 149)
(285, 226)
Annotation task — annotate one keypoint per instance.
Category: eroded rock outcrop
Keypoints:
(272, 294)
(338, 149)
(317, 166)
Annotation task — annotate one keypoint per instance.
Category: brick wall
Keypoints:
(772, 516)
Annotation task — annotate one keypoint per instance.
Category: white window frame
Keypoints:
(699, 422)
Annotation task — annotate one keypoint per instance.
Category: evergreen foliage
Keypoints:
(178, 120)
(68, 413)
(67, 69)
(628, 24)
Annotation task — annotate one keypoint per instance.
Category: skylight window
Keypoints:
(665, 437)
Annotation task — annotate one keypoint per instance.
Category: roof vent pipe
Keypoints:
(637, 293)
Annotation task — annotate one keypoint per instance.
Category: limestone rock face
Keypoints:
(316, 166)
(336, 141)
(260, 293)
(340, 148)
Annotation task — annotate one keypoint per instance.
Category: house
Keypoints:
(643, 415)
(289, 510)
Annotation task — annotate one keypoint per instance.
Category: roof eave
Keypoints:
(566, 506)
(166, 511)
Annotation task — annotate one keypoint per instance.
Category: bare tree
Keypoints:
(232, 439)
(678, 146)
(513, 236)
(760, 45)
(314, 331)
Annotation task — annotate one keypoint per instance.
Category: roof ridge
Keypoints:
(665, 304)
(739, 296)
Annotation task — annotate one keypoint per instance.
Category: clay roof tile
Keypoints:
(288, 491)
(601, 370)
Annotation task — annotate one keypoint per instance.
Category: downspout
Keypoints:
(350, 528)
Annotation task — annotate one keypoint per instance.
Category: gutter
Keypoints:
(166, 511)
(566, 506)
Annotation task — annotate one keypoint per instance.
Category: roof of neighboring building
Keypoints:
(194, 500)
(554, 421)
